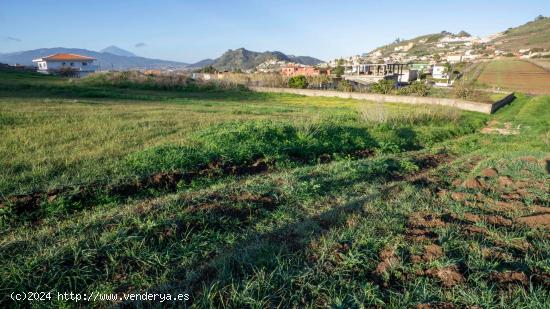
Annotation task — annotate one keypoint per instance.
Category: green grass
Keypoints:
(56, 142)
(304, 234)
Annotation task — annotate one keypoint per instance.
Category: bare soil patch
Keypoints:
(448, 276)
(388, 259)
(510, 277)
(536, 220)
(431, 253)
(473, 183)
(420, 235)
(489, 172)
(424, 220)
(516, 75)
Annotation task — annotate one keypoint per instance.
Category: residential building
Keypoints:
(408, 76)
(80, 65)
(440, 72)
(372, 72)
(454, 58)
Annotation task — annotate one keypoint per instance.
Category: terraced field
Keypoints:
(516, 75)
(241, 199)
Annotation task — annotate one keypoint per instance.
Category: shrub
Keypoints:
(416, 88)
(463, 90)
(384, 86)
(345, 86)
(299, 81)
(138, 80)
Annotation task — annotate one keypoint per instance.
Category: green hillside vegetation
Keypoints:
(534, 34)
(243, 59)
(423, 45)
(256, 200)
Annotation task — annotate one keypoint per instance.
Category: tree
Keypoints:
(345, 86)
(339, 71)
(299, 81)
(540, 17)
(384, 86)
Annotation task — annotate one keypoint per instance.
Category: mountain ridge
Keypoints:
(244, 59)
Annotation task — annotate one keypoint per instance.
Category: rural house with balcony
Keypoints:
(77, 65)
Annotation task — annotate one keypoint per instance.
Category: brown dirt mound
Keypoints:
(475, 230)
(420, 235)
(467, 217)
(505, 182)
(506, 206)
(498, 220)
(510, 277)
(388, 260)
(489, 172)
(473, 183)
(424, 220)
(448, 276)
(536, 220)
(431, 253)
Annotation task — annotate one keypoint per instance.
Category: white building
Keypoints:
(408, 76)
(440, 72)
(81, 65)
(454, 58)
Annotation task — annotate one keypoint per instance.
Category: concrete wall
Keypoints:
(486, 108)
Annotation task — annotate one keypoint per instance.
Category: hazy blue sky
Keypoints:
(193, 30)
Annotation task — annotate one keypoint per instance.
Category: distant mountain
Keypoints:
(243, 59)
(305, 60)
(534, 34)
(106, 61)
(201, 64)
(117, 51)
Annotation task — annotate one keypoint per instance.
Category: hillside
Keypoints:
(421, 45)
(201, 64)
(244, 59)
(106, 60)
(534, 34)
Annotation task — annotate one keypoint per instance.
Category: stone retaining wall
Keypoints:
(486, 108)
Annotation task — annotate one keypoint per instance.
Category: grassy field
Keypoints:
(289, 201)
(516, 75)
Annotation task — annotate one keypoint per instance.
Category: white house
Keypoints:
(454, 58)
(440, 72)
(82, 65)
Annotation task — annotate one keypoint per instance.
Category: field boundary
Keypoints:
(486, 108)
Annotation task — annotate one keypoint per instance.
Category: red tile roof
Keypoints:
(67, 57)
